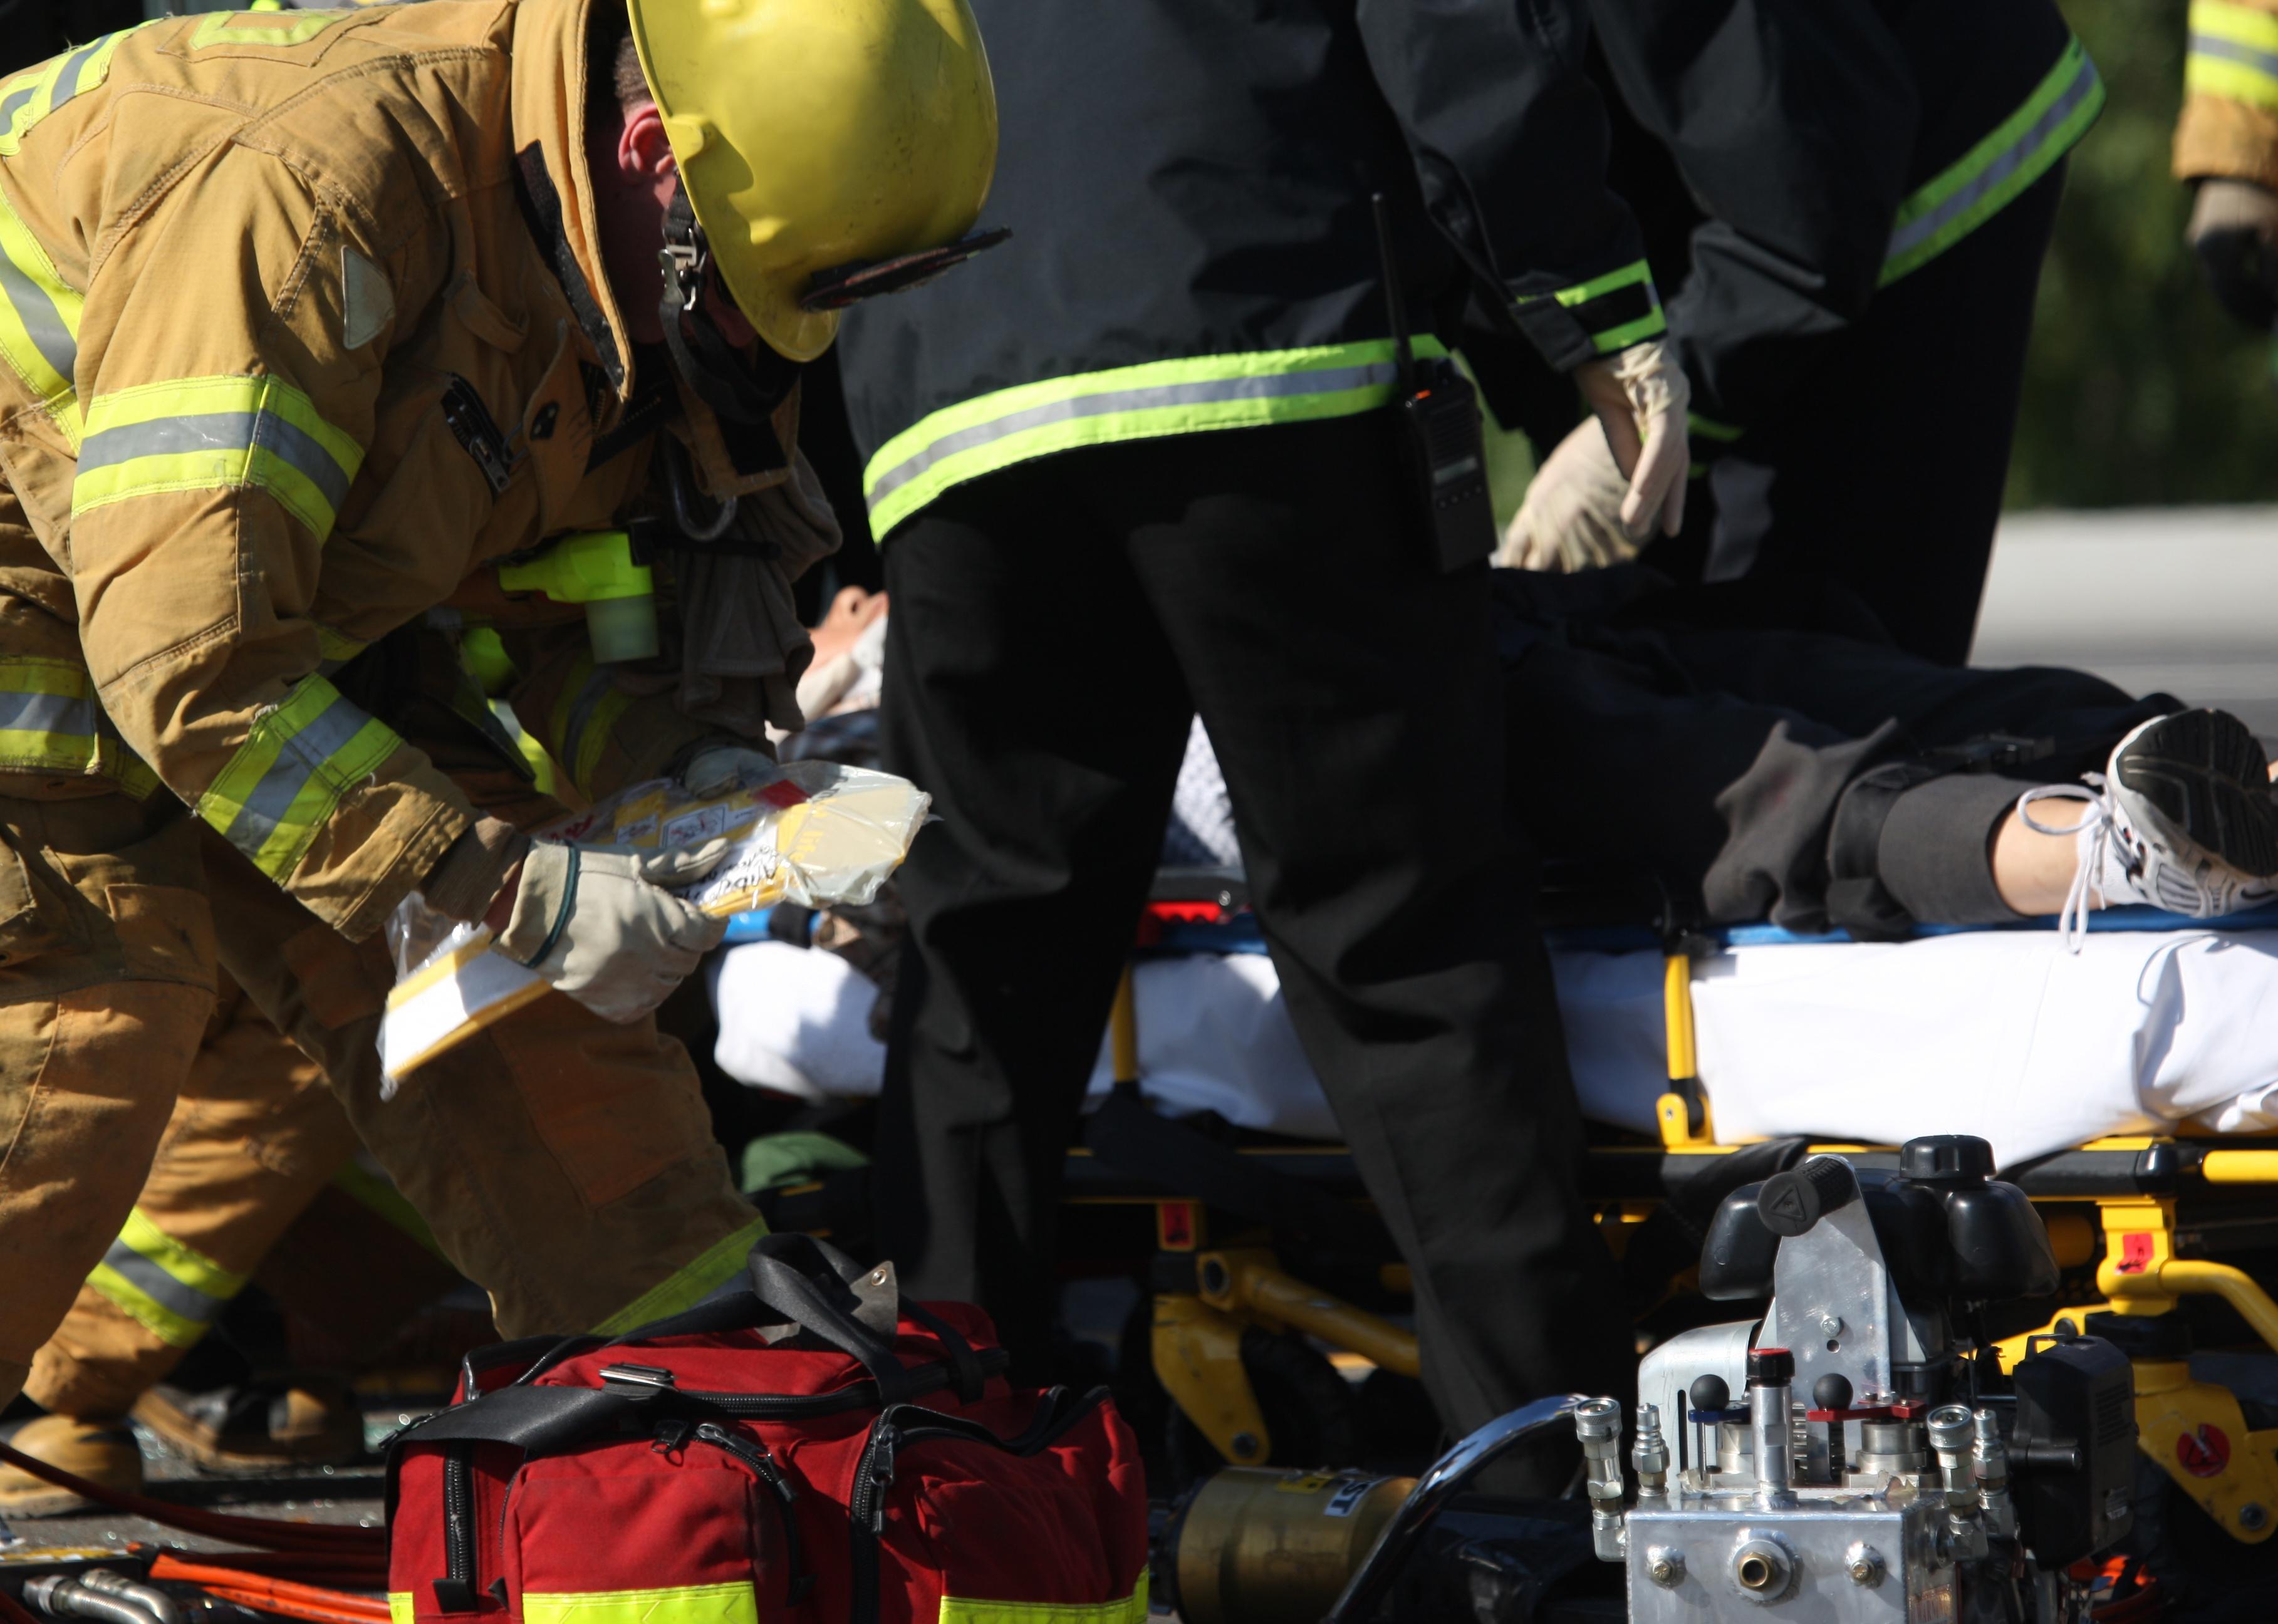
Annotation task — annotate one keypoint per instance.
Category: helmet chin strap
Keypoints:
(740, 392)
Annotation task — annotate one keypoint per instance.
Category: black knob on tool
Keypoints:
(1709, 1392)
(1831, 1391)
(1770, 1366)
(1794, 1200)
(1946, 1159)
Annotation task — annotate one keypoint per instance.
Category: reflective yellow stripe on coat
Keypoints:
(1985, 179)
(212, 434)
(1242, 390)
(39, 321)
(286, 780)
(51, 722)
(171, 1288)
(2234, 53)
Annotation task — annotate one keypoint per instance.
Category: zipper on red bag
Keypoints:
(782, 1490)
(874, 1471)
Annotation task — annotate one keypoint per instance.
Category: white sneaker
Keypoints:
(2182, 818)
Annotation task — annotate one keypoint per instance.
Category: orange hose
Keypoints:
(167, 1565)
(293, 1609)
(345, 1571)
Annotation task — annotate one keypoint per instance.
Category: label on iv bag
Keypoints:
(811, 832)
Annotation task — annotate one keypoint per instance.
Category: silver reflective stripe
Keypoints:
(1327, 381)
(299, 758)
(597, 688)
(42, 322)
(48, 712)
(218, 430)
(67, 82)
(2213, 45)
(14, 104)
(2000, 167)
(162, 1288)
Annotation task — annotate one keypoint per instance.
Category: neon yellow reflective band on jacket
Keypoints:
(51, 721)
(2234, 53)
(1244, 390)
(33, 95)
(1988, 178)
(735, 1602)
(1651, 323)
(213, 434)
(39, 321)
(401, 1607)
(1131, 1610)
(230, 28)
(685, 1287)
(288, 776)
(172, 1290)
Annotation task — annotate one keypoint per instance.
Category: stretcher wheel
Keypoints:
(1308, 1408)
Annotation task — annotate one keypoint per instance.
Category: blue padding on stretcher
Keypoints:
(1241, 933)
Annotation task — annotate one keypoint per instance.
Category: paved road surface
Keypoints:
(2184, 599)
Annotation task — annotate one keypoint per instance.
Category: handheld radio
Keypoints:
(1440, 447)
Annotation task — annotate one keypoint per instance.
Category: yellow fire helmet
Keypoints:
(828, 148)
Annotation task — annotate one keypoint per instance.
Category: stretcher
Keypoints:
(2131, 1092)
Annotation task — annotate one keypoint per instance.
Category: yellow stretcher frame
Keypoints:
(2195, 1431)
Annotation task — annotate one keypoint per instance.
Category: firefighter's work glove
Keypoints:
(598, 921)
(1571, 519)
(716, 764)
(2234, 230)
(1641, 395)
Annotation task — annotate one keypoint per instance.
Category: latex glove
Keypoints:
(715, 767)
(1571, 519)
(598, 923)
(2234, 230)
(1641, 395)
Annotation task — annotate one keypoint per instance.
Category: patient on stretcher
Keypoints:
(1819, 779)
(1759, 772)
(1826, 778)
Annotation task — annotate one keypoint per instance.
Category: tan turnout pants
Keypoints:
(254, 1136)
(564, 1164)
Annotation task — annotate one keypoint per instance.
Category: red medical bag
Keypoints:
(811, 1449)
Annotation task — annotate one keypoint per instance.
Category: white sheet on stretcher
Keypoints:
(2002, 1034)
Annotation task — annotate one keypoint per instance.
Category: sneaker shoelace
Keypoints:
(2096, 824)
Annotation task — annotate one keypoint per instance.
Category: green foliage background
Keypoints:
(2139, 390)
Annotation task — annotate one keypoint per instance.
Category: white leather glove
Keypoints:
(1571, 519)
(1641, 395)
(716, 767)
(598, 923)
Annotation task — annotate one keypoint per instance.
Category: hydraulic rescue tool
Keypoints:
(1856, 1455)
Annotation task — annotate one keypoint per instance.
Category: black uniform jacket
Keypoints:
(1188, 185)
(1837, 145)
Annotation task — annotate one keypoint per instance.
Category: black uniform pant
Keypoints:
(1883, 468)
(1055, 627)
(1689, 733)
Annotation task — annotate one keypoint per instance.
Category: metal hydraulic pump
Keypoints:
(1851, 1457)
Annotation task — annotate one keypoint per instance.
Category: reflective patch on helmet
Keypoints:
(368, 304)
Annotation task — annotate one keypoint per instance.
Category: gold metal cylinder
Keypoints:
(1254, 1545)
